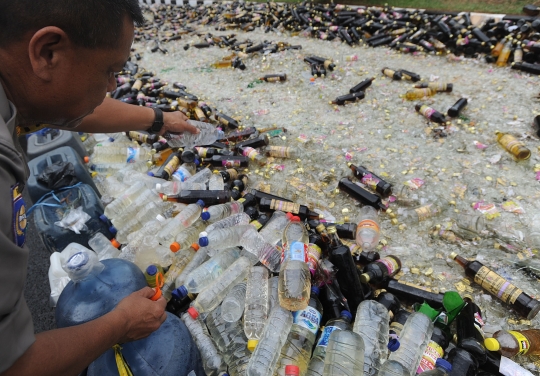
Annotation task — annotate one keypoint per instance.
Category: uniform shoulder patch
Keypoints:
(19, 221)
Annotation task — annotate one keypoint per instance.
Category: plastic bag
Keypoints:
(58, 175)
(74, 220)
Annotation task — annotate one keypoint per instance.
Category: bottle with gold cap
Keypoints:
(395, 75)
(430, 113)
(510, 343)
(181, 258)
(415, 216)
(438, 87)
(502, 60)
(253, 155)
(256, 305)
(415, 94)
(513, 145)
(278, 77)
(381, 270)
(498, 286)
(282, 152)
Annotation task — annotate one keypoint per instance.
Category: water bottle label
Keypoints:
(368, 224)
(431, 354)
(325, 336)
(180, 175)
(308, 318)
(391, 265)
(297, 251)
(132, 154)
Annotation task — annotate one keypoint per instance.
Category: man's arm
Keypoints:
(115, 116)
(68, 351)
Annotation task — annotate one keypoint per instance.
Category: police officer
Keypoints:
(57, 61)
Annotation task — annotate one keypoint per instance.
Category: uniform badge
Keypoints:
(19, 215)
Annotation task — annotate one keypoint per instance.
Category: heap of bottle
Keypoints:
(508, 41)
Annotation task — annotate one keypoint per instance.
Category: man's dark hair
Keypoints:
(88, 23)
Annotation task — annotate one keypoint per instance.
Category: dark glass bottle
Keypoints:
(414, 293)
(371, 180)
(279, 77)
(209, 197)
(255, 143)
(381, 270)
(260, 195)
(260, 221)
(227, 120)
(229, 174)
(399, 320)
(389, 300)
(410, 76)
(439, 87)
(238, 135)
(362, 86)
(143, 137)
(302, 211)
(366, 257)
(344, 230)
(430, 114)
(179, 302)
(463, 363)
(470, 335)
(348, 98)
(169, 166)
(435, 349)
(227, 161)
(333, 301)
(347, 274)
(498, 286)
(395, 75)
(457, 107)
(360, 194)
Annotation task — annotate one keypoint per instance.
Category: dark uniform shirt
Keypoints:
(16, 327)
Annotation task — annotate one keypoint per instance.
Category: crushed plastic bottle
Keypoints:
(119, 205)
(264, 360)
(256, 305)
(344, 354)
(273, 298)
(208, 134)
(268, 255)
(210, 270)
(234, 303)
(121, 154)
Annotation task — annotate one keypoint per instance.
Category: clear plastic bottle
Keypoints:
(150, 252)
(230, 341)
(213, 294)
(121, 154)
(114, 168)
(256, 305)
(183, 220)
(147, 213)
(294, 275)
(116, 207)
(268, 254)
(135, 240)
(187, 236)
(173, 188)
(372, 324)
(200, 257)
(213, 363)
(393, 368)
(184, 172)
(136, 208)
(208, 135)
(202, 176)
(104, 247)
(234, 303)
(234, 220)
(130, 177)
(217, 212)
(273, 296)
(111, 186)
(273, 231)
(344, 354)
(181, 258)
(301, 338)
(413, 341)
(263, 362)
(210, 270)
(223, 238)
(368, 229)
(415, 216)
(216, 182)
(442, 368)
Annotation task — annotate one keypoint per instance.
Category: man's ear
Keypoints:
(45, 49)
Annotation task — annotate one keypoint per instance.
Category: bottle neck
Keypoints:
(335, 241)
(462, 261)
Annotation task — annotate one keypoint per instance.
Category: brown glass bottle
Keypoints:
(381, 270)
(279, 77)
(266, 204)
(499, 287)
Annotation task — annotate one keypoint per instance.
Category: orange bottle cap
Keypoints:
(175, 247)
(115, 243)
(195, 246)
(86, 159)
(157, 295)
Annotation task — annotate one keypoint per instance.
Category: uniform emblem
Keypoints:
(19, 215)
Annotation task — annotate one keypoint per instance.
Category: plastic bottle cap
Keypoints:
(115, 243)
(193, 312)
(290, 216)
(251, 344)
(78, 260)
(158, 187)
(205, 216)
(150, 173)
(492, 344)
(195, 246)
(453, 255)
(93, 167)
(393, 345)
(175, 247)
(347, 315)
(315, 290)
(203, 241)
(444, 364)
(86, 159)
(200, 203)
(151, 270)
(157, 295)
(295, 218)
(113, 230)
(103, 218)
(292, 370)
(93, 174)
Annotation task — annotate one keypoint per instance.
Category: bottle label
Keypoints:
(278, 151)
(370, 181)
(368, 224)
(396, 328)
(391, 265)
(389, 72)
(273, 79)
(250, 153)
(308, 318)
(314, 254)
(132, 154)
(298, 251)
(427, 111)
(288, 207)
(424, 212)
(180, 175)
(256, 224)
(479, 323)
(231, 163)
(497, 285)
(141, 137)
(431, 354)
(223, 121)
(523, 342)
(172, 165)
(325, 336)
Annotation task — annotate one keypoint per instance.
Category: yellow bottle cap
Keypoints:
(252, 343)
(492, 344)
(453, 255)
(364, 278)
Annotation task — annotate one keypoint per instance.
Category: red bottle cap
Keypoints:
(193, 312)
(292, 370)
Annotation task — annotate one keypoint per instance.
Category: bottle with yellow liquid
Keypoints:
(505, 54)
(414, 94)
(513, 146)
(498, 48)
(439, 87)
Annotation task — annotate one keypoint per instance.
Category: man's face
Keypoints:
(84, 78)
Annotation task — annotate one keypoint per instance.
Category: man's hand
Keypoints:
(141, 315)
(176, 122)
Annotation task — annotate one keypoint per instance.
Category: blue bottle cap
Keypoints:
(93, 167)
(315, 290)
(393, 344)
(347, 315)
(197, 162)
(181, 292)
(111, 139)
(444, 364)
(205, 216)
(203, 241)
(113, 230)
(151, 270)
(200, 203)
(80, 133)
(103, 218)
(150, 173)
